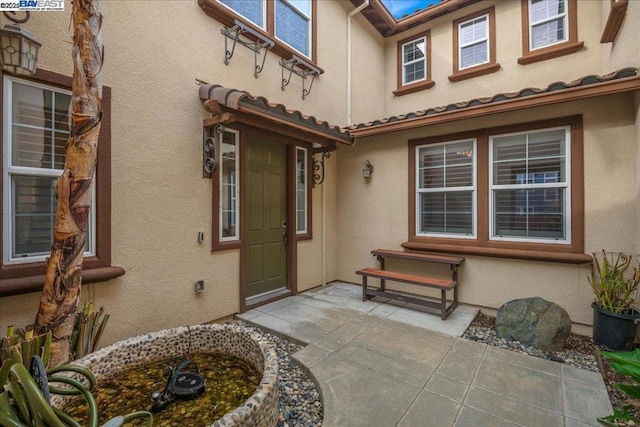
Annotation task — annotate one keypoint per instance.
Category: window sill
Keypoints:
(550, 52)
(521, 254)
(476, 71)
(218, 246)
(414, 87)
(23, 285)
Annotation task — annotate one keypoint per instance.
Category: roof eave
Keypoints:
(547, 98)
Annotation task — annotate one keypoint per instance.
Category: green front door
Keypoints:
(266, 217)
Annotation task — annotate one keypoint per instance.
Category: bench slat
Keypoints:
(453, 260)
(407, 278)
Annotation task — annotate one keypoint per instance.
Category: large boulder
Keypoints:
(534, 321)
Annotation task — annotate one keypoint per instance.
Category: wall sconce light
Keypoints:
(18, 48)
(367, 170)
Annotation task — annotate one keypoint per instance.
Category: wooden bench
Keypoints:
(443, 284)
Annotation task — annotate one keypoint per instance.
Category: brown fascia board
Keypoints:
(547, 98)
(614, 21)
(378, 15)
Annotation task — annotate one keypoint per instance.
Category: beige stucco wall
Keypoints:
(374, 212)
(511, 76)
(154, 51)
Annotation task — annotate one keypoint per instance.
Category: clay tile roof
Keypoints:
(586, 81)
(244, 101)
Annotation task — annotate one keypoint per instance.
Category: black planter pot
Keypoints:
(614, 331)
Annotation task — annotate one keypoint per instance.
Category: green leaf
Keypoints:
(632, 390)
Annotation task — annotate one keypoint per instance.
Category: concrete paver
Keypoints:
(438, 410)
(380, 364)
(357, 396)
(510, 409)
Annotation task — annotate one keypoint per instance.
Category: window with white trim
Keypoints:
(301, 190)
(414, 61)
(473, 40)
(530, 186)
(548, 23)
(36, 131)
(229, 188)
(446, 189)
(293, 24)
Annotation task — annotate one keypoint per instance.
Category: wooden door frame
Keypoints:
(290, 193)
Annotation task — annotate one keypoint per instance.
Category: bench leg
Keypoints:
(443, 304)
(364, 288)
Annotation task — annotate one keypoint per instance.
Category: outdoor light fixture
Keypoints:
(367, 170)
(18, 48)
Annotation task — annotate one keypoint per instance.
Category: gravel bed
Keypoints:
(578, 352)
(300, 403)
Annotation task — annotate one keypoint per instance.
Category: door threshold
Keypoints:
(267, 297)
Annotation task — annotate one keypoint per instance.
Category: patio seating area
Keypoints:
(379, 363)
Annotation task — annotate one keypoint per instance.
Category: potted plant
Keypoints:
(614, 279)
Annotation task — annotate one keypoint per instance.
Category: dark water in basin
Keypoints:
(230, 381)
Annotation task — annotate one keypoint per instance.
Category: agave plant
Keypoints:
(25, 401)
(626, 363)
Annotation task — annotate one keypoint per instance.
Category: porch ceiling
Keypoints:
(626, 79)
(218, 99)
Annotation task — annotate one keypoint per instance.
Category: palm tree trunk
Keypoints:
(61, 290)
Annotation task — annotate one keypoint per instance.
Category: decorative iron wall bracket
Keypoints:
(304, 70)
(262, 42)
(318, 164)
(211, 149)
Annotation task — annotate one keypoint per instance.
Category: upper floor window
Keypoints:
(252, 10)
(473, 37)
(548, 23)
(36, 131)
(289, 23)
(414, 61)
(474, 45)
(293, 24)
(414, 64)
(550, 29)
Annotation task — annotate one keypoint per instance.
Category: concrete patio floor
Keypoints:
(380, 364)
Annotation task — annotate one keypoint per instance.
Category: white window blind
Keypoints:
(548, 23)
(529, 186)
(446, 189)
(414, 61)
(473, 36)
(36, 130)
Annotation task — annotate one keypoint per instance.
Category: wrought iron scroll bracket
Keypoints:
(211, 149)
(262, 43)
(11, 16)
(318, 167)
(300, 68)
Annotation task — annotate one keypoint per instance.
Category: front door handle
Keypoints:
(285, 239)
